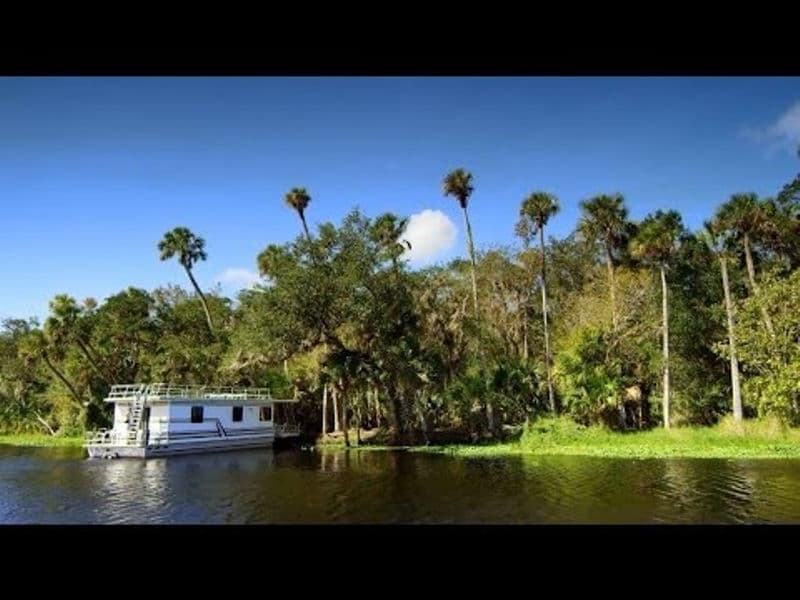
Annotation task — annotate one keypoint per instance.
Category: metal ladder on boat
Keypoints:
(135, 417)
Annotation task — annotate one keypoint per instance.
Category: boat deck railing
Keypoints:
(199, 392)
(109, 437)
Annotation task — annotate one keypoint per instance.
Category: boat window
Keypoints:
(237, 413)
(266, 413)
(197, 414)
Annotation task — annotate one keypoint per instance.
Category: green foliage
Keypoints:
(415, 353)
(591, 385)
(603, 221)
(534, 213)
(772, 373)
(658, 238)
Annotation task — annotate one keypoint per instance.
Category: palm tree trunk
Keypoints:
(358, 424)
(305, 225)
(202, 299)
(377, 407)
(751, 275)
(324, 409)
(397, 409)
(546, 329)
(471, 250)
(423, 422)
(665, 316)
(524, 338)
(735, 390)
(92, 360)
(335, 397)
(344, 420)
(611, 286)
(63, 379)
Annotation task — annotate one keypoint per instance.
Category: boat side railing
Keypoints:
(200, 392)
(110, 437)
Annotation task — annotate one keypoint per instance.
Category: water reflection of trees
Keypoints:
(704, 491)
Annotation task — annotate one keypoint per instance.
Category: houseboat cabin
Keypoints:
(161, 419)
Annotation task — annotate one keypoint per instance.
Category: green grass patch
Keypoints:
(40, 440)
(561, 436)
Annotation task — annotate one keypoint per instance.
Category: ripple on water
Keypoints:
(382, 487)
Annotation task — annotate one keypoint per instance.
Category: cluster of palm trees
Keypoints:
(654, 242)
(604, 224)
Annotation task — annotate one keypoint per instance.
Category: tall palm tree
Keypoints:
(714, 236)
(604, 220)
(535, 213)
(298, 199)
(458, 183)
(748, 218)
(189, 248)
(655, 244)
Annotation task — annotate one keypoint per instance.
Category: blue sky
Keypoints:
(94, 170)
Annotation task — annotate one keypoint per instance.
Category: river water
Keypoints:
(61, 486)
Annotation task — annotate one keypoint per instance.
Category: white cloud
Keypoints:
(241, 278)
(783, 133)
(430, 233)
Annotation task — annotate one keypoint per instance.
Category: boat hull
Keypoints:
(179, 447)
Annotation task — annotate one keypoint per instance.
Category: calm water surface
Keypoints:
(60, 486)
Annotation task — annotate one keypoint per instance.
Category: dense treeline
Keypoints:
(629, 324)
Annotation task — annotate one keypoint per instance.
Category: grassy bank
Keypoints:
(40, 440)
(750, 439)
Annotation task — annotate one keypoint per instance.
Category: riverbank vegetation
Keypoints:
(625, 324)
(768, 437)
(40, 440)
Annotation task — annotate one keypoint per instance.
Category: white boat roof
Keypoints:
(155, 392)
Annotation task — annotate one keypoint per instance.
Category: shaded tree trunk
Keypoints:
(735, 389)
(358, 423)
(325, 409)
(423, 422)
(345, 420)
(525, 338)
(377, 407)
(335, 398)
(397, 409)
(665, 317)
(202, 299)
(751, 276)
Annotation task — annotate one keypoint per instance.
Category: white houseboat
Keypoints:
(161, 419)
